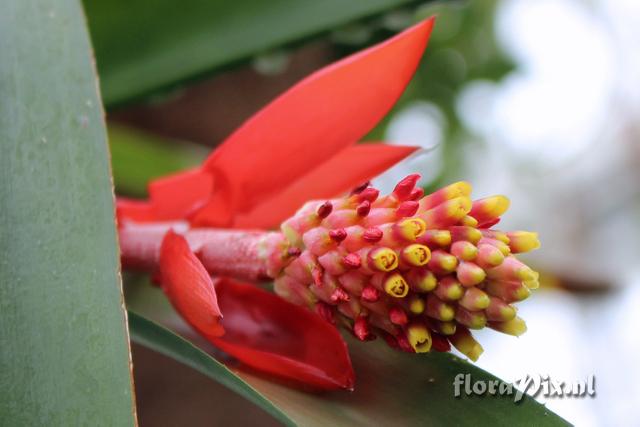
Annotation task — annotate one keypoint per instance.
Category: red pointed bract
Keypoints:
(188, 286)
(216, 211)
(174, 196)
(342, 172)
(134, 210)
(171, 197)
(314, 120)
(275, 336)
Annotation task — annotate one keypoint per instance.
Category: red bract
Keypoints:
(317, 119)
(299, 147)
(352, 165)
(189, 286)
(270, 334)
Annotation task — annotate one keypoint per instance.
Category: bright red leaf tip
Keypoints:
(311, 122)
(274, 336)
(189, 287)
(342, 172)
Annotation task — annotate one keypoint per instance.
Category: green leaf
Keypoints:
(64, 355)
(155, 337)
(146, 45)
(139, 157)
(392, 388)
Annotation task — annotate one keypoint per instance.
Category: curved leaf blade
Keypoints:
(64, 356)
(392, 388)
(160, 339)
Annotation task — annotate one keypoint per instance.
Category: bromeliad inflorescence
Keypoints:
(420, 271)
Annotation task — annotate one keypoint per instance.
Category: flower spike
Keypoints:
(429, 273)
(421, 288)
(419, 270)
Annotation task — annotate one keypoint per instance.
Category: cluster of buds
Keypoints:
(420, 271)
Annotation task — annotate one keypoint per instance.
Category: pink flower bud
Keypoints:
(420, 271)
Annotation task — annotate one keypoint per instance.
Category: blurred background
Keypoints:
(537, 100)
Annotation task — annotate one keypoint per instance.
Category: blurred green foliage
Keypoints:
(146, 46)
(137, 157)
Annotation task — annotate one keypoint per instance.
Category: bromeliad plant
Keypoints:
(419, 271)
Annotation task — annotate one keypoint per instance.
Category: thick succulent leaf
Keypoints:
(155, 337)
(274, 336)
(188, 286)
(311, 122)
(146, 45)
(349, 168)
(64, 357)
